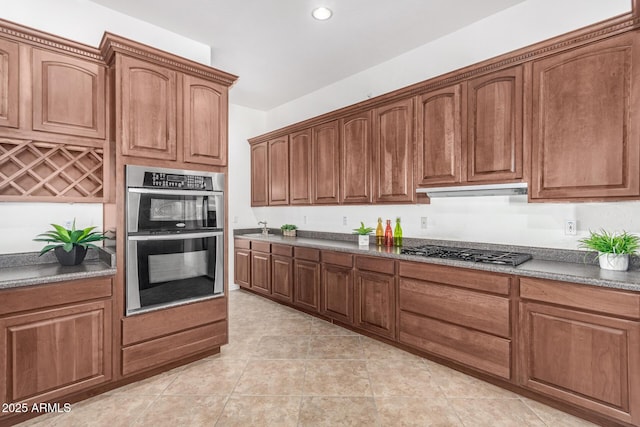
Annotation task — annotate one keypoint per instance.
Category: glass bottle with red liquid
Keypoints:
(388, 234)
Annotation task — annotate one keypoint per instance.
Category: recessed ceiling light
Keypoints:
(322, 13)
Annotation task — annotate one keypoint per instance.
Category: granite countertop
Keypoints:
(544, 267)
(26, 269)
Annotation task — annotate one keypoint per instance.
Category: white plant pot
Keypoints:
(363, 239)
(617, 262)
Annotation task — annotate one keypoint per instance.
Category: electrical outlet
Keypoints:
(67, 224)
(423, 222)
(570, 227)
(344, 220)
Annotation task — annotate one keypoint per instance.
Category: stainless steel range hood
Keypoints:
(510, 189)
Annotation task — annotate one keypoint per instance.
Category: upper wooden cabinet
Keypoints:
(355, 158)
(259, 175)
(439, 136)
(9, 83)
(279, 171)
(584, 134)
(494, 126)
(148, 101)
(204, 121)
(300, 167)
(393, 152)
(325, 143)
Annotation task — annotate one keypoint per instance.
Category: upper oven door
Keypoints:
(171, 210)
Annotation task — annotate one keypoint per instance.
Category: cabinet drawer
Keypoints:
(52, 294)
(472, 348)
(307, 253)
(592, 298)
(473, 279)
(241, 244)
(488, 313)
(150, 325)
(147, 355)
(284, 250)
(260, 246)
(379, 265)
(335, 258)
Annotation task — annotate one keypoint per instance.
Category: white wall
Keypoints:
(508, 220)
(85, 22)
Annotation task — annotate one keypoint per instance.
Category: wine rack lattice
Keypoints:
(46, 170)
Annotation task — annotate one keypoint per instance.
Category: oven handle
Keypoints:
(173, 192)
(178, 236)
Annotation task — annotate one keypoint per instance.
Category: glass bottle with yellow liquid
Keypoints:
(379, 233)
(397, 234)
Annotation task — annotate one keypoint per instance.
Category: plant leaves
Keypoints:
(67, 247)
(62, 232)
(47, 249)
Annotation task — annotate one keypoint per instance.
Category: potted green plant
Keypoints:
(289, 230)
(363, 234)
(613, 249)
(69, 246)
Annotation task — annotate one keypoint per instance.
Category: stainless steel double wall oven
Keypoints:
(175, 237)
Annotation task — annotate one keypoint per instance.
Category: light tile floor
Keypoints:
(286, 368)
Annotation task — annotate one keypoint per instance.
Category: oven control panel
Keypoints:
(177, 181)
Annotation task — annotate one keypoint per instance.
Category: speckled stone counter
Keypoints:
(562, 265)
(26, 269)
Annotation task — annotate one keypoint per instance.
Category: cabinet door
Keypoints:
(393, 148)
(148, 109)
(494, 124)
(68, 95)
(589, 360)
(375, 303)
(585, 137)
(326, 163)
(259, 175)
(279, 171)
(9, 83)
(55, 352)
(261, 272)
(306, 284)
(355, 158)
(242, 267)
(300, 167)
(439, 141)
(282, 277)
(204, 121)
(337, 293)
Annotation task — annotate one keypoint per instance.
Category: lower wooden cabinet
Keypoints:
(336, 287)
(375, 296)
(52, 344)
(261, 271)
(282, 277)
(588, 359)
(306, 278)
(242, 263)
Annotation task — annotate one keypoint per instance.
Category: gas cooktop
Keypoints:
(466, 254)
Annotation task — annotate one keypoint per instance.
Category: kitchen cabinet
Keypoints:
(336, 287)
(440, 136)
(356, 157)
(494, 126)
(261, 267)
(56, 340)
(278, 160)
(375, 296)
(325, 146)
(393, 139)
(461, 315)
(300, 167)
(9, 83)
(259, 175)
(306, 278)
(584, 135)
(581, 345)
(282, 272)
(242, 263)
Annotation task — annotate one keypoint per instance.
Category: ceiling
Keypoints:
(281, 53)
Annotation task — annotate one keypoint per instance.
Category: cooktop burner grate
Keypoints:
(467, 254)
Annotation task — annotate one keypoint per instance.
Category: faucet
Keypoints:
(265, 230)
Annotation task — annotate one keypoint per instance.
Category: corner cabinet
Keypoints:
(259, 174)
(585, 136)
(278, 176)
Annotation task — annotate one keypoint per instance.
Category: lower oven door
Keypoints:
(172, 269)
